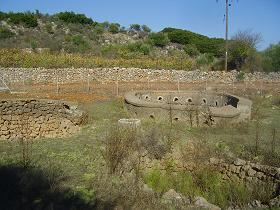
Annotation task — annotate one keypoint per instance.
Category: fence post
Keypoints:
(178, 85)
(57, 80)
(88, 85)
(117, 83)
(273, 140)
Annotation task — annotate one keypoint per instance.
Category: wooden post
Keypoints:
(226, 53)
(88, 87)
(57, 80)
(117, 83)
(178, 85)
(273, 140)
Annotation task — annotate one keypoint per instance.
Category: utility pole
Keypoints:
(226, 55)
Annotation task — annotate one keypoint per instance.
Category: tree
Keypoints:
(271, 58)
(114, 28)
(135, 27)
(145, 29)
(71, 17)
(242, 50)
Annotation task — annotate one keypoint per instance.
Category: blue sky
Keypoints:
(201, 16)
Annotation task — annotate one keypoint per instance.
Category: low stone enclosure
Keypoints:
(245, 170)
(32, 118)
(193, 107)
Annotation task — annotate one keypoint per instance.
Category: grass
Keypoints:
(206, 183)
(81, 160)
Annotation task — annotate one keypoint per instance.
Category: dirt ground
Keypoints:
(101, 91)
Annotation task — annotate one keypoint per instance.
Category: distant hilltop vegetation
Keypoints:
(68, 32)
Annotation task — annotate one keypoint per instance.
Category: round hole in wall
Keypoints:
(216, 103)
(204, 101)
(159, 98)
(152, 116)
(175, 99)
(225, 104)
(146, 97)
(176, 119)
(189, 100)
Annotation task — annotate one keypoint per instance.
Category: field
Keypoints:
(82, 165)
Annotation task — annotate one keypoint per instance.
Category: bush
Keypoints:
(28, 19)
(71, 17)
(271, 58)
(179, 36)
(205, 183)
(242, 51)
(204, 44)
(114, 28)
(140, 47)
(81, 44)
(5, 33)
(191, 50)
(135, 27)
(159, 39)
(205, 59)
(146, 29)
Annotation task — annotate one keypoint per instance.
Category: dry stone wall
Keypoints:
(68, 75)
(245, 170)
(38, 118)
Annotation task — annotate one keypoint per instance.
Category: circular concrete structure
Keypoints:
(193, 107)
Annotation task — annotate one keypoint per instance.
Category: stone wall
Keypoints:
(38, 118)
(247, 171)
(41, 75)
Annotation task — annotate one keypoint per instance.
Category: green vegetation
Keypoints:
(71, 17)
(5, 33)
(243, 54)
(68, 32)
(17, 58)
(203, 43)
(271, 58)
(159, 39)
(206, 183)
(27, 19)
(90, 169)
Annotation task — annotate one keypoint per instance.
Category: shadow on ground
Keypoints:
(33, 188)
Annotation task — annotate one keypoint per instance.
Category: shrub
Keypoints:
(145, 49)
(71, 17)
(79, 44)
(135, 27)
(140, 47)
(203, 43)
(191, 50)
(145, 29)
(5, 33)
(159, 39)
(242, 51)
(114, 28)
(205, 59)
(3, 16)
(179, 36)
(240, 76)
(28, 19)
(271, 58)
(118, 146)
